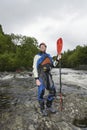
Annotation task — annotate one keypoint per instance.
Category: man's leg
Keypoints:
(51, 88)
(41, 91)
(50, 98)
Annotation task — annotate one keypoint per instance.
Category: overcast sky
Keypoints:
(47, 20)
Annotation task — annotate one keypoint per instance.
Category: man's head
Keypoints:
(42, 47)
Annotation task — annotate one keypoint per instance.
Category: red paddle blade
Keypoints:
(59, 45)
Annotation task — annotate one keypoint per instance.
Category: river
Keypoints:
(71, 80)
(72, 77)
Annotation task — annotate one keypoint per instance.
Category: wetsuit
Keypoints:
(42, 65)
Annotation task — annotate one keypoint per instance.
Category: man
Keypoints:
(42, 65)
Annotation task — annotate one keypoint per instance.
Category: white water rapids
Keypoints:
(68, 77)
(71, 77)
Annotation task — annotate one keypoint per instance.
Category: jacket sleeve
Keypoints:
(35, 71)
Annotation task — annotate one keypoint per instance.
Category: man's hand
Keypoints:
(59, 57)
(38, 83)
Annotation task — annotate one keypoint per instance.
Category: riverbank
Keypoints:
(82, 67)
(19, 109)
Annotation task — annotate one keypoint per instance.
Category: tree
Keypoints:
(76, 57)
(1, 30)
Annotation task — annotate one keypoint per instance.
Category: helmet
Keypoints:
(42, 44)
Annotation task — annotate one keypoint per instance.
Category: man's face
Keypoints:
(42, 48)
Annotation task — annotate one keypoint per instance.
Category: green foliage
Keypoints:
(6, 45)
(7, 62)
(72, 59)
(27, 51)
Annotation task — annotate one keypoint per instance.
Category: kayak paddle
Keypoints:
(59, 50)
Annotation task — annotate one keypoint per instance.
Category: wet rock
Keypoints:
(76, 106)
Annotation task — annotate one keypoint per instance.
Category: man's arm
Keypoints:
(35, 71)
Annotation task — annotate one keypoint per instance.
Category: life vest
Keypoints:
(44, 62)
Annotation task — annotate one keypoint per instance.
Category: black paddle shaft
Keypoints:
(60, 75)
(61, 100)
